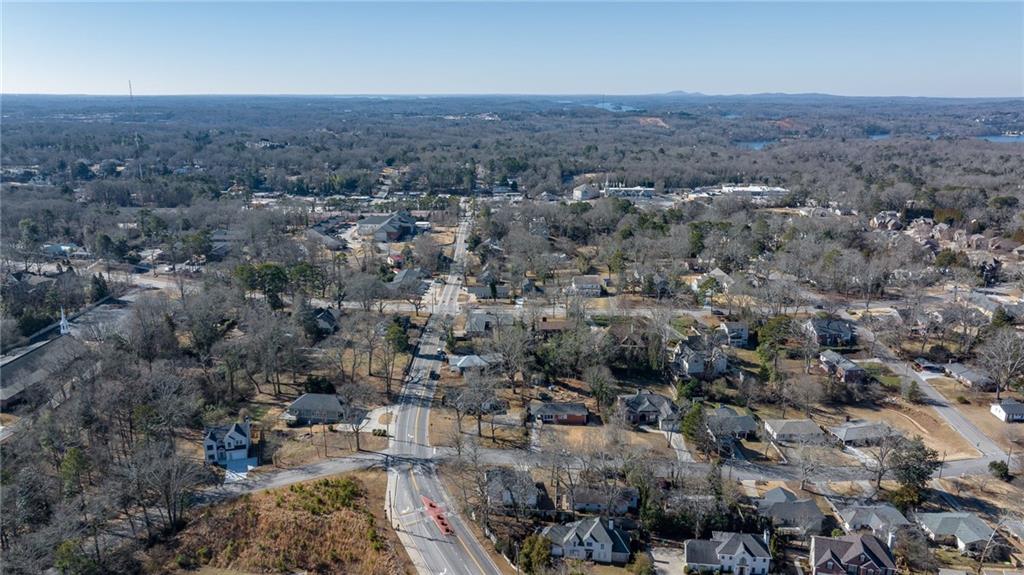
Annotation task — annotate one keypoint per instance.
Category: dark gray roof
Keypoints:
(559, 408)
(569, 534)
(837, 360)
(37, 363)
(408, 278)
(844, 549)
(317, 403)
(829, 326)
(725, 420)
(803, 514)
(484, 291)
(502, 480)
(218, 433)
(586, 496)
(647, 402)
(1012, 406)
(700, 552)
(706, 552)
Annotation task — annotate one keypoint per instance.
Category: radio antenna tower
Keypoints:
(138, 147)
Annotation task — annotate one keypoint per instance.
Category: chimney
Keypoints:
(611, 524)
(767, 538)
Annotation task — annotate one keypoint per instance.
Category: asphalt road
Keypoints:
(412, 473)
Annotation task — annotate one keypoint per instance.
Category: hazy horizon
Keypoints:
(672, 93)
(911, 49)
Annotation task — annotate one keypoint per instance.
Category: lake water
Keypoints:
(613, 107)
(1001, 139)
(754, 144)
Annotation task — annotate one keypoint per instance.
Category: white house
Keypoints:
(1008, 410)
(587, 286)
(590, 539)
(738, 553)
(737, 332)
(690, 362)
(227, 443)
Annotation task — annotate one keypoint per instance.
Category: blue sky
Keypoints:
(876, 48)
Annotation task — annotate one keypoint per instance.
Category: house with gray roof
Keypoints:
(1008, 410)
(592, 539)
(227, 443)
(314, 409)
(964, 530)
(387, 228)
(409, 280)
(587, 286)
(882, 519)
(842, 368)
(862, 432)
(970, 377)
(646, 408)
(508, 487)
(487, 291)
(830, 331)
(480, 322)
(561, 413)
(851, 555)
(739, 553)
(725, 423)
(800, 431)
(587, 500)
(791, 515)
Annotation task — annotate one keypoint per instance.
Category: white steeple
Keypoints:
(65, 327)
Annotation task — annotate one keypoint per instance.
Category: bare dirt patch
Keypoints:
(292, 447)
(326, 526)
(653, 121)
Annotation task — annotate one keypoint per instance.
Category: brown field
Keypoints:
(984, 495)
(301, 445)
(332, 525)
(1008, 436)
(443, 427)
(583, 437)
